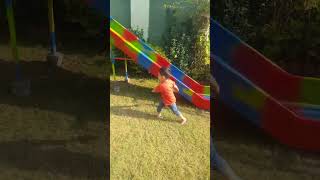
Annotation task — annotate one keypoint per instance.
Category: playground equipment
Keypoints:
(21, 86)
(53, 58)
(113, 61)
(146, 57)
(53, 55)
(284, 105)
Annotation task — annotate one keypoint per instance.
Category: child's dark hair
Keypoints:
(165, 72)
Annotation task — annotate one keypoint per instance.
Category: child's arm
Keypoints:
(175, 88)
(156, 89)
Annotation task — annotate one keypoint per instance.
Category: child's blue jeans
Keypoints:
(218, 163)
(173, 107)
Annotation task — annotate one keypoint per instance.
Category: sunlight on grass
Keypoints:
(144, 147)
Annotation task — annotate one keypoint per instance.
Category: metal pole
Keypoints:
(113, 62)
(52, 27)
(113, 70)
(126, 69)
(13, 37)
(12, 30)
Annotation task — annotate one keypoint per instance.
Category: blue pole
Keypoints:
(126, 69)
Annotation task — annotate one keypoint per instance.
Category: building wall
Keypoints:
(150, 15)
(120, 10)
(140, 16)
(158, 22)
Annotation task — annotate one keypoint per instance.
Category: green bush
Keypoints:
(281, 30)
(186, 39)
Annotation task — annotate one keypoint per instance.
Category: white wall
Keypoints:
(140, 15)
(120, 11)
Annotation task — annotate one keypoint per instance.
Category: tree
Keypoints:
(187, 37)
(282, 30)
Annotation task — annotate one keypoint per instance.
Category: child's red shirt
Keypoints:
(166, 90)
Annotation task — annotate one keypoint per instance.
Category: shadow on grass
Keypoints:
(127, 111)
(52, 156)
(132, 90)
(67, 92)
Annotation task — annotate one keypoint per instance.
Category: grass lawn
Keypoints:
(60, 131)
(144, 147)
(254, 155)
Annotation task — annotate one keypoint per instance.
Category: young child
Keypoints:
(166, 88)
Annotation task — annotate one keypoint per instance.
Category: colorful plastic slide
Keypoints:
(285, 106)
(146, 57)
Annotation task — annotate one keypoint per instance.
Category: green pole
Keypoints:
(113, 70)
(12, 30)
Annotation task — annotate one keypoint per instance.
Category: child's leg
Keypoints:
(217, 162)
(176, 111)
(159, 108)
